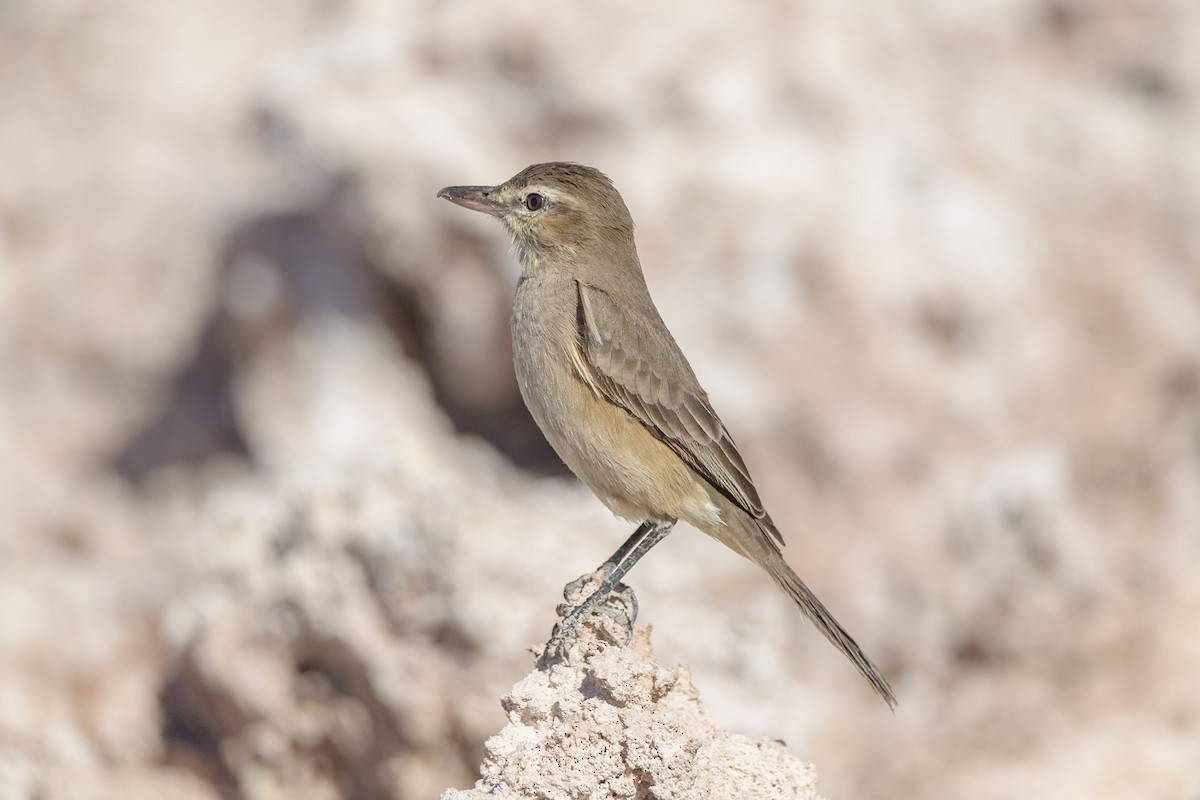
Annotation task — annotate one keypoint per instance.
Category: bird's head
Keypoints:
(554, 207)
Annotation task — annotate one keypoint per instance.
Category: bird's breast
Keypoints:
(543, 330)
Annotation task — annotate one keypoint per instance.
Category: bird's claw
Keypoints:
(576, 587)
(624, 612)
(620, 605)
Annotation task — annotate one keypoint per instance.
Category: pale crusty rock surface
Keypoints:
(613, 723)
(936, 264)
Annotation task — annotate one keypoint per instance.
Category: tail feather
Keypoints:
(759, 540)
(821, 617)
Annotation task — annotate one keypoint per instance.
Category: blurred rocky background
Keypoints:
(273, 521)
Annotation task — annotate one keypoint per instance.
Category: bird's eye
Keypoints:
(534, 201)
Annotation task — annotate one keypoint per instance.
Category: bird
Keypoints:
(615, 396)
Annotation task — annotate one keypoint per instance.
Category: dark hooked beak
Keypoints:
(476, 198)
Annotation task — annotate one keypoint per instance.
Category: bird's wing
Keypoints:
(634, 363)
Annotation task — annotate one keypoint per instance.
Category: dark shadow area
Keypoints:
(206, 731)
(196, 718)
(277, 270)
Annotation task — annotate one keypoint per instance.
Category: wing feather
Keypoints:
(628, 371)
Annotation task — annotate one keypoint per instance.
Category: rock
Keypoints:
(612, 722)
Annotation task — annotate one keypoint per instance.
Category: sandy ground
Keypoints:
(273, 522)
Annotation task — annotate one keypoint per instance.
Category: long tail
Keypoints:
(758, 540)
(820, 616)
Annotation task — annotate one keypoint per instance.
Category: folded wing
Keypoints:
(633, 362)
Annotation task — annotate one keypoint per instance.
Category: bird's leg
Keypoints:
(624, 612)
(605, 569)
(613, 570)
